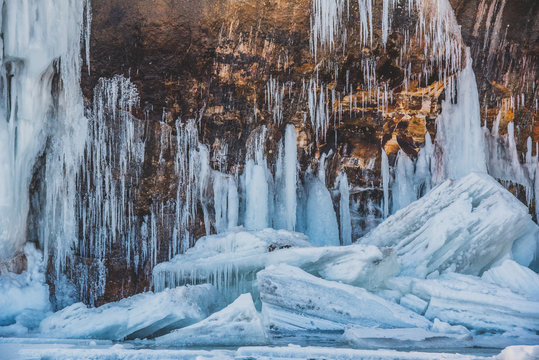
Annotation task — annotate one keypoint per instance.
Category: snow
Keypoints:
(237, 324)
(231, 260)
(139, 316)
(472, 302)
(414, 338)
(465, 225)
(311, 352)
(24, 298)
(120, 352)
(294, 301)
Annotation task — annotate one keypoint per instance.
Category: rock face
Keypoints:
(234, 65)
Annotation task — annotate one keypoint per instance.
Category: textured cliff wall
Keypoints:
(234, 65)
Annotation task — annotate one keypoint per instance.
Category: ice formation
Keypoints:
(24, 298)
(344, 210)
(119, 351)
(461, 120)
(231, 260)
(37, 37)
(140, 316)
(466, 226)
(237, 324)
(515, 277)
(295, 302)
(374, 338)
(321, 221)
(286, 181)
(471, 302)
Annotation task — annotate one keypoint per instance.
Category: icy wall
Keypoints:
(323, 117)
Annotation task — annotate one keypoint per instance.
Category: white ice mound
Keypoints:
(231, 260)
(465, 225)
(24, 295)
(519, 353)
(515, 277)
(472, 302)
(237, 324)
(294, 301)
(139, 316)
(415, 338)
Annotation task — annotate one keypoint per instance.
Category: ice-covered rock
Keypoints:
(231, 260)
(515, 277)
(237, 324)
(404, 338)
(474, 303)
(139, 316)
(25, 294)
(294, 301)
(465, 225)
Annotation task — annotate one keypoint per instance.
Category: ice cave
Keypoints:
(280, 179)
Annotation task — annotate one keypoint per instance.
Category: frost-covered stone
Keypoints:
(231, 260)
(294, 301)
(139, 316)
(466, 226)
(237, 324)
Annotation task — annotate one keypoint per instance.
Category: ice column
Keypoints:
(257, 192)
(286, 181)
(459, 129)
(385, 182)
(39, 101)
(320, 219)
(344, 210)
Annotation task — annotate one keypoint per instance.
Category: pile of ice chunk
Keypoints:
(237, 324)
(464, 226)
(231, 260)
(444, 272)
(294, 301)
(140, 316)
(472, 302)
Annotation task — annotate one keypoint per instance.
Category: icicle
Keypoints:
(257, 192)
(459, 134)
(286, 180)
(320, 219)
(385, 182)
(344, 210)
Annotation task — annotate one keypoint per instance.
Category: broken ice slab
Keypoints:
(236, 325)
(515, 277)
(405, 338)
(139, 316)
(472, 302)
(231, 260)
(466, 226)
(296, 302)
